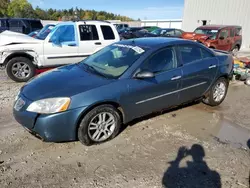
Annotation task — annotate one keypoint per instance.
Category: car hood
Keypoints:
(194, 36)
(63, 82)
(9, 37)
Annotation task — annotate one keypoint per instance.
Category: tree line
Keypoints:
(23, 9)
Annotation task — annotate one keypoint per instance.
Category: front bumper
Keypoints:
(59, 127)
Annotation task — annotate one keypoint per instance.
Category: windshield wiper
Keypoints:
(95, 71)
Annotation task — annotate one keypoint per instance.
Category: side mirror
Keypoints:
(221, 38)
(144, 74)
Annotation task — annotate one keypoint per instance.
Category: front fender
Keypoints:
(7, 55)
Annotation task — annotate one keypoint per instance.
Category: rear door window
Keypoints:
(88, 32)
(107, 32)
(205, 54)
(190, 53)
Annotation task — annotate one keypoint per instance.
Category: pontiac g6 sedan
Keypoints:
(91, 100)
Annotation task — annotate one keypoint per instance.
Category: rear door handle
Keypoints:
(176, 78)
(98, 43)
(212, 66)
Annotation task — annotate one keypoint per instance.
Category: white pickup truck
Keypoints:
(68, 42)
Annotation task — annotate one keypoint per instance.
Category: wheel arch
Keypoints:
(18, 54)
(112, 103)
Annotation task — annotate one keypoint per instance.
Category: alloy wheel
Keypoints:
(101, 127)
(219, 91)
(21, 70)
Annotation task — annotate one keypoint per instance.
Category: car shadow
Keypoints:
(155, 114)
(196, 174)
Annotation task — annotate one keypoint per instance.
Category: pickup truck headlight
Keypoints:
(50, 105)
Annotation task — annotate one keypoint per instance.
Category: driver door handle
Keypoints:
(71, 44)
(98, 43)
(176, 78)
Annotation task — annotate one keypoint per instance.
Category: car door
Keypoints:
(224, 42)
(153, 94)
(90, 39)
(199, 69)
(61, 47)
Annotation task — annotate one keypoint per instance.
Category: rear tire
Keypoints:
(99, 125)
(217, 92)
(20, 69)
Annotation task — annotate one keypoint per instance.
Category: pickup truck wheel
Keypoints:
(217, 92)
(99, 125)
(20, 69)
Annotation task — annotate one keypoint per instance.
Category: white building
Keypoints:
(223, 12)
(163, 23)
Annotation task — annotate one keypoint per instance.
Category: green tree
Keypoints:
(41, 14)
(3, 7)
(20, 8)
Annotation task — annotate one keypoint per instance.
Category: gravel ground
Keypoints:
(193, 146)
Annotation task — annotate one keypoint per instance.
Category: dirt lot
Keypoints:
(149, 153)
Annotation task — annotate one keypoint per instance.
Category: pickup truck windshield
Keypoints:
(112, 61)
(210, 32)
(45, 32)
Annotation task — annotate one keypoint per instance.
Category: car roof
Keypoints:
(154, 42)
(216, 27)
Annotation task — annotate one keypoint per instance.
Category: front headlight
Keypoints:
(50, 105)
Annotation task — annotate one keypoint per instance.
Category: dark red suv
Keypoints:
(221, 37)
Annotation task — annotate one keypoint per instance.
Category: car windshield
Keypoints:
(210, 32)
(112, 61)
(45, 32)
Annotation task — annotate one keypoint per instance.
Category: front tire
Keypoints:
(217, 92)
(20, 69)
(99, 125)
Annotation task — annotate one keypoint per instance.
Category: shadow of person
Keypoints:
(196, 174)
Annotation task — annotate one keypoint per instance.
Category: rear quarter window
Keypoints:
(107, 32)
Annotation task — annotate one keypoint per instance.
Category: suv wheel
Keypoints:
(20, 69)
(217, 92)
(99, 125)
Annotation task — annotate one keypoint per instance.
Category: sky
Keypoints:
(143, 9)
